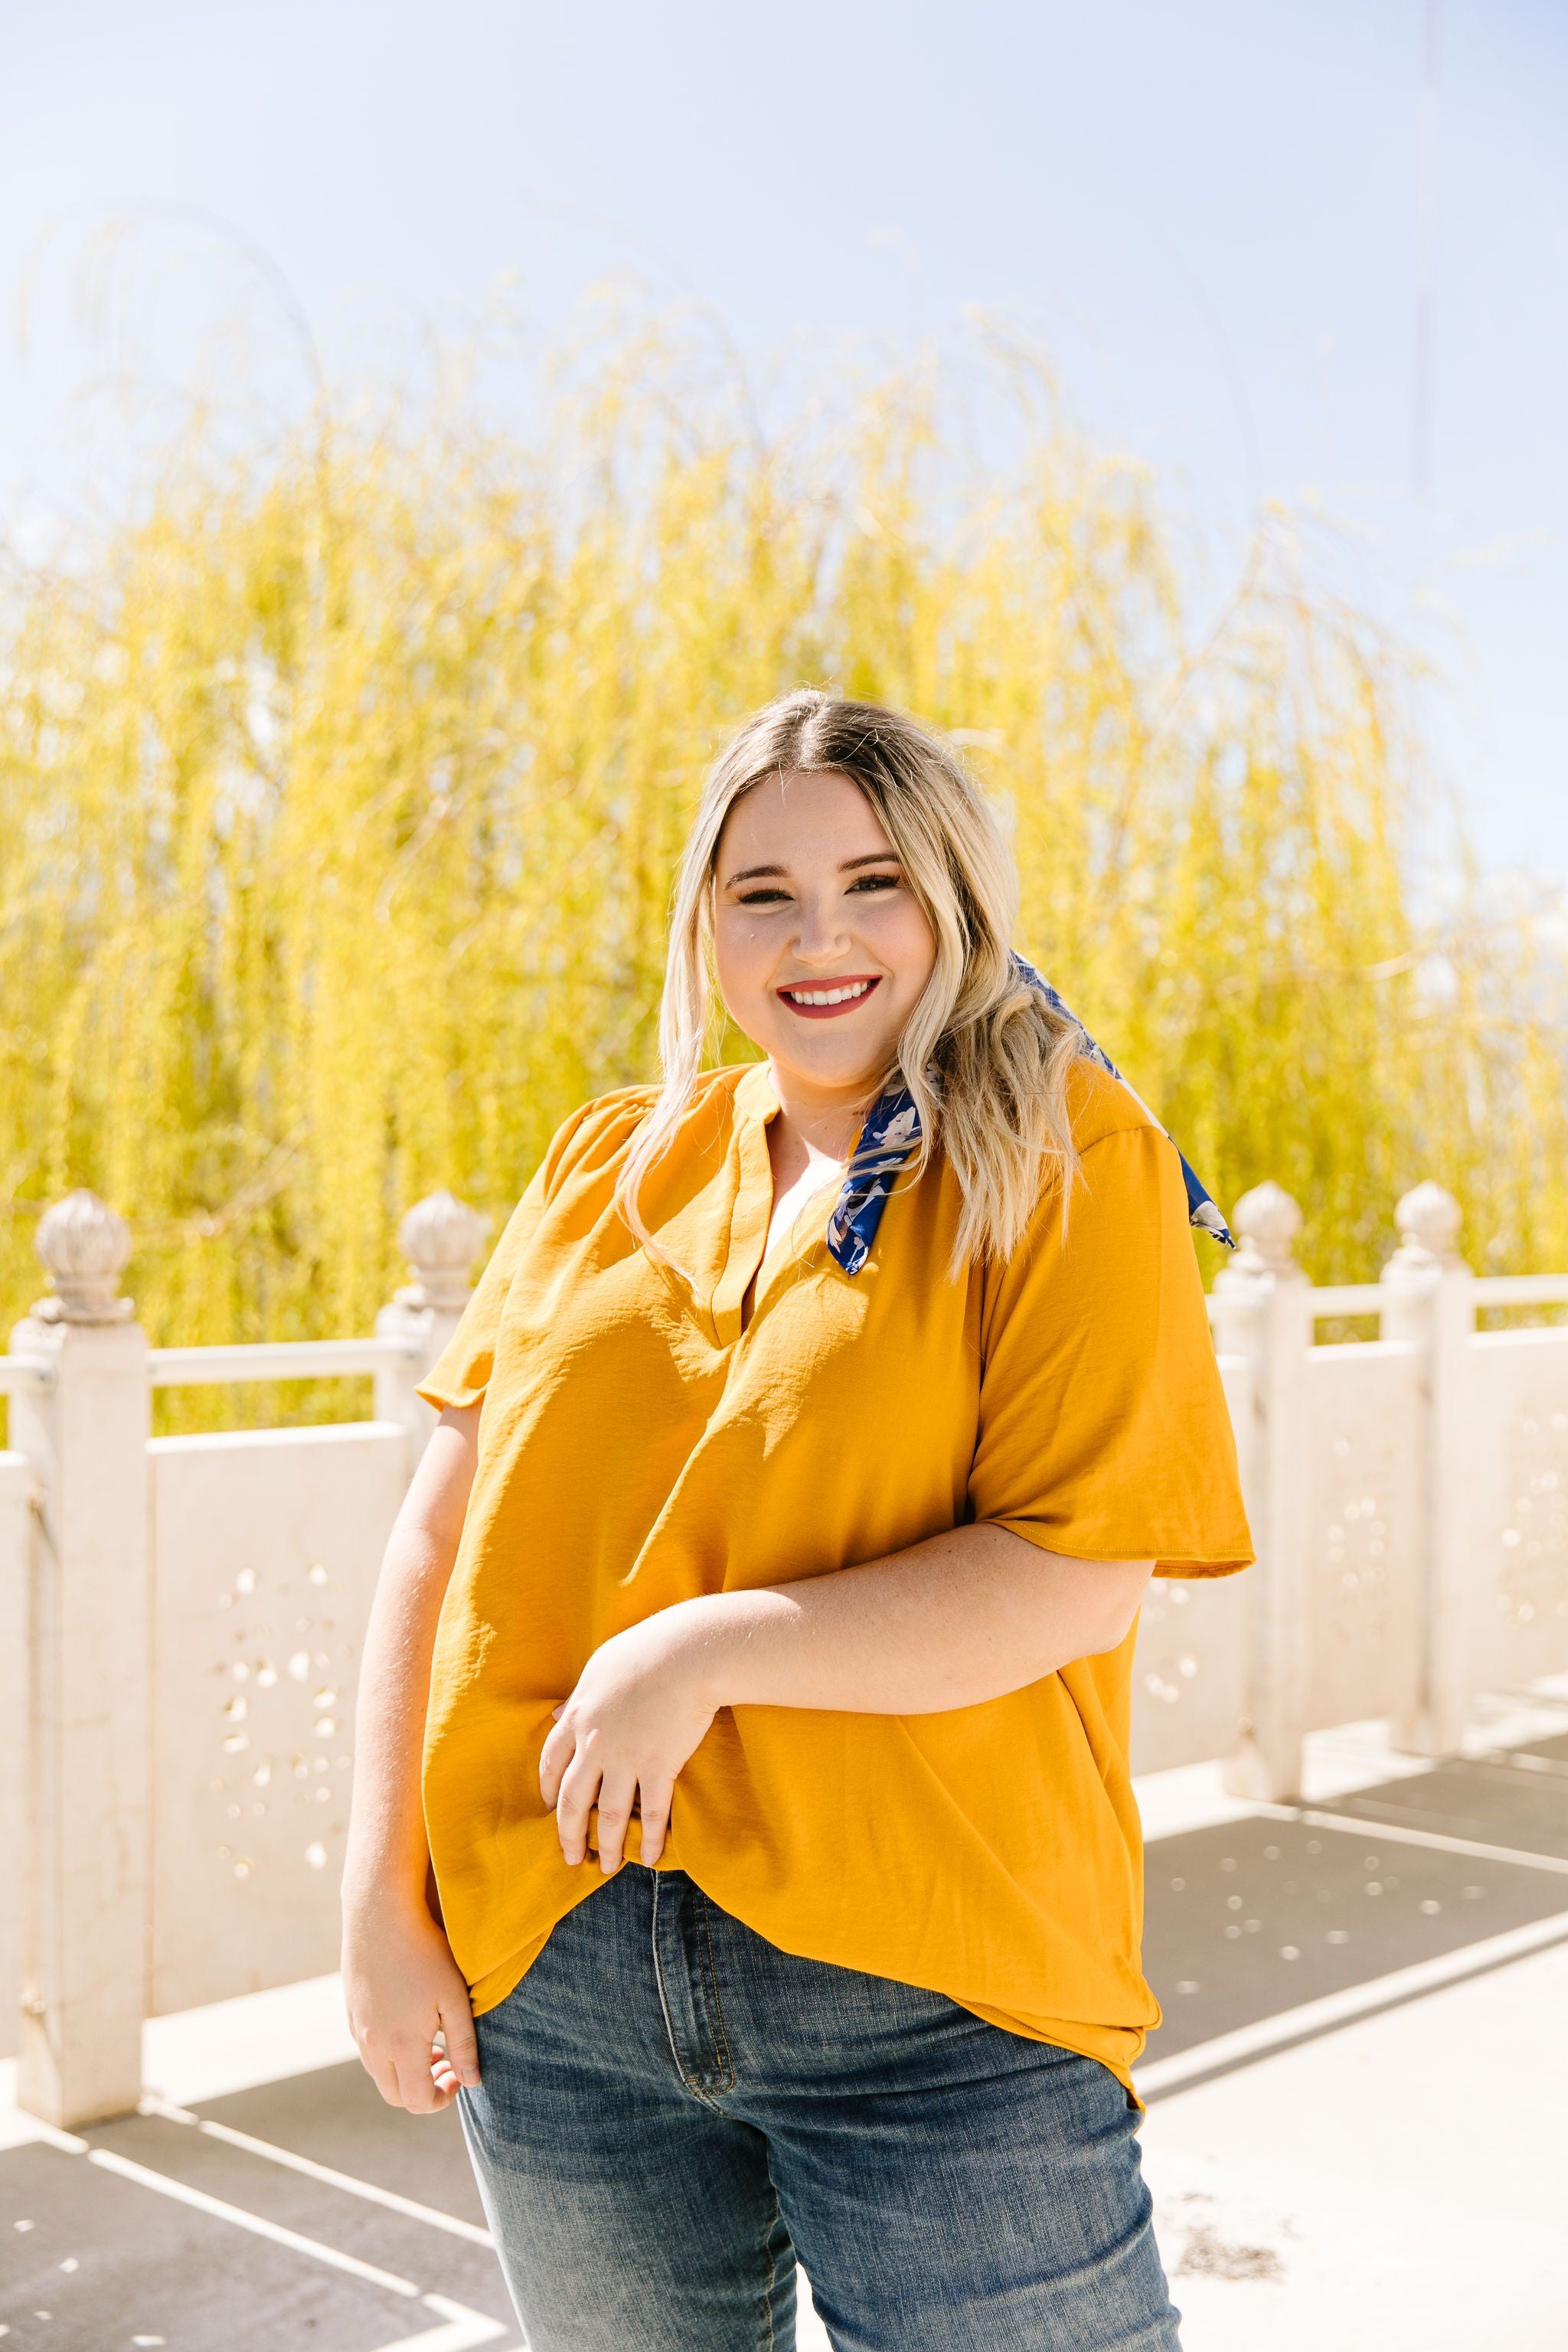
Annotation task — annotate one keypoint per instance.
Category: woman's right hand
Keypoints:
(402, 1988)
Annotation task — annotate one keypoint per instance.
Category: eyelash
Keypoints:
(866, 883)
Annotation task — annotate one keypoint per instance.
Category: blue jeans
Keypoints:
(671, 2108)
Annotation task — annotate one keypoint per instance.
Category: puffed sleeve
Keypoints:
(461, 1372)
(1104, 1431)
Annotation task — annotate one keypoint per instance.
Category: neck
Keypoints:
(824, 1119)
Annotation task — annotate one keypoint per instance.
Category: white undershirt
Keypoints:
(823, 1176)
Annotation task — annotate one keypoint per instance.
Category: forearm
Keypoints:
(406, 1995)
(387, 1857)
(964, 1617)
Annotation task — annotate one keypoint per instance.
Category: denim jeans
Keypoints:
(671, 2109)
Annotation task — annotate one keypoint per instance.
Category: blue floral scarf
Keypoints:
(892, 1130)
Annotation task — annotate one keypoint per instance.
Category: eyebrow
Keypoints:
(847, 865)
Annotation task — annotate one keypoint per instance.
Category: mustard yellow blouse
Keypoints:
(637, 1447)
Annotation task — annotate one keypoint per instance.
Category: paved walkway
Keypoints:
(1354, 2105)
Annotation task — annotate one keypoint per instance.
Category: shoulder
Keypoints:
(594, 1128)
(1125, 1198)
(1100, 1106)
(1124, 1175)
(594, 1141)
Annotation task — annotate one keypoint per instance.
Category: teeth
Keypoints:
(827, 996)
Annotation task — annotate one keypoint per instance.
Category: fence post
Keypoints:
(1432, 1302)
(441, 1236)
(86, 1877)
(1263, 1311)
(17, 1497)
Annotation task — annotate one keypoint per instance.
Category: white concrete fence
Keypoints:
(179, 1617)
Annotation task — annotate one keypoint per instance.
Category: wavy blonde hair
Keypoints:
(984, 1055)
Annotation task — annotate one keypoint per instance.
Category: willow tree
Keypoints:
(343, 784)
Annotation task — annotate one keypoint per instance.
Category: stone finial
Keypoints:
(1428, 1219)
(1267, 1221)
(441, 1237)
(86, 1248)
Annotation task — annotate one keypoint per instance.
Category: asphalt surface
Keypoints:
(1259, 1916)
(159, 2230)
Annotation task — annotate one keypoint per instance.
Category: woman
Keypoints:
(754, 1647)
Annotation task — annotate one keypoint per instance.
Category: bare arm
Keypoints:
(965, 1616)
(400, 1981)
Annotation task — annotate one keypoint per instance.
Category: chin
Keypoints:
(849, 1071)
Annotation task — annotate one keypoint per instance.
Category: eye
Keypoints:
(876, 882)
(765, 894)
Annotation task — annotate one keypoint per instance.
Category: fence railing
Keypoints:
(179, 1617)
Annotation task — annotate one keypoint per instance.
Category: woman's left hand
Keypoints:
(639, 1711)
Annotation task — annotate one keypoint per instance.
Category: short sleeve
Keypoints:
(461, 1372)
(1104, 1431)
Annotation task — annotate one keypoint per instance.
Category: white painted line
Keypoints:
(463, 2329)
(184, 2195)
(431, 2215)
(1335, 2009)
(30, 2127)
(460, 2329)
(1316, 1818)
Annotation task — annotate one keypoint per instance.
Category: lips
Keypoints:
(827, 1000)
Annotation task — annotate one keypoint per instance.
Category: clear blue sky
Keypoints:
(1212, 215)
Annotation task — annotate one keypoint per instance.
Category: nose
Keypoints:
(821, 935)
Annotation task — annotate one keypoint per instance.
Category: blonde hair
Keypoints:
(984, 1054)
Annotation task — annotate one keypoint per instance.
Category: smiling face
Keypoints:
(821, 947)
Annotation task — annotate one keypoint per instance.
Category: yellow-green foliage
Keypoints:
(340, 796)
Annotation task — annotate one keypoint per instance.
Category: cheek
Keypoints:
(742, 960)
(910, 950)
